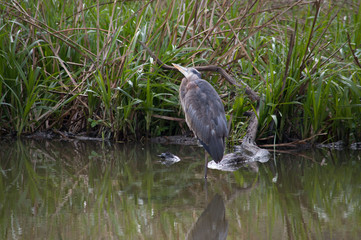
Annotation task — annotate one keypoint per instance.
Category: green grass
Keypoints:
(80, 68)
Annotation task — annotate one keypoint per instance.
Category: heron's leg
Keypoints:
(205, 164)
(206, 188)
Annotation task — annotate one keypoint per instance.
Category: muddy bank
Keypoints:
(178, 139)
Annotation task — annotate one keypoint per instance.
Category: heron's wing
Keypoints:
(205, 116)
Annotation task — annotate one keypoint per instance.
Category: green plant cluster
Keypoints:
(77, 66)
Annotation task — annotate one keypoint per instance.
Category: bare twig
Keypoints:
(168, 118)
(353, 51)
(294, 143)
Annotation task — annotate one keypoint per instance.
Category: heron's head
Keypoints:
(189, 73)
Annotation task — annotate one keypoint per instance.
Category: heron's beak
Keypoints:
(183, 70)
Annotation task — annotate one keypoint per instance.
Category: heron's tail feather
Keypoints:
(215, 148)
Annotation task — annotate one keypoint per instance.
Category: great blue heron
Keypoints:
(204, 113)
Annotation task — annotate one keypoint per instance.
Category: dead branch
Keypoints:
(294, 143)
(353, 51)
(213, 68)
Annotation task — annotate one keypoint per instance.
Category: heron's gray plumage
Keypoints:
(204, 113)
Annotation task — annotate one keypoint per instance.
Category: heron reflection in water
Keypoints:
(204, 113)
(212, 223)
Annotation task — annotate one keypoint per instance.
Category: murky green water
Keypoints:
(87, 190)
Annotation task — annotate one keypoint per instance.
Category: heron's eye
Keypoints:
(194, 71)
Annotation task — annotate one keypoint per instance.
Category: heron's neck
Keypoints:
(192, 78)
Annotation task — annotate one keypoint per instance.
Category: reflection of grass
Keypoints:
(88, 191)
(308, 200)
(78, 66)
(99, 191)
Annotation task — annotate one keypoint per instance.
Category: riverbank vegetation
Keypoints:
(78, 67)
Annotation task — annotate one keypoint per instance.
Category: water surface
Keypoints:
(94, 190)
